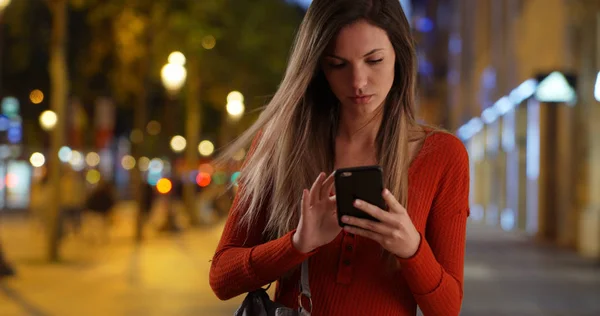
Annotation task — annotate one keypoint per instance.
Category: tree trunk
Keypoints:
(140, 118)
(59, 91)
(192, 130)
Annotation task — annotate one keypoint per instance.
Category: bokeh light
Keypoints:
(92, 176)
(219, 178)
(136, 136)
(64, 154)
(206, 148)
(164, 186)
(156, 165)
(178, 143)
(203, 179)
(239, 155)
(37, 159)
(143, 163)
(48, 120)
(206, 168)
(235, 96)
(92, 159)
(128, 162)
(153, 128)
(209, 42)
(77, 161)
(177, 58)
(234, 177)
(36, 96)
(12, 180)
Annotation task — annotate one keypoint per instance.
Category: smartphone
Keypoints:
(364, 183)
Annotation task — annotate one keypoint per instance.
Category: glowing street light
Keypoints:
(3, 5)
(235, 104)
(206, 148)
(178, 143)
(173, 74)
(37, 160)
(48, 119)
(177, 58)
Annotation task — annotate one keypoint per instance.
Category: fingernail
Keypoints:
(357, 202)
(386, 191)
(344, 218)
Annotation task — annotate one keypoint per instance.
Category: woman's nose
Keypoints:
(359, 79)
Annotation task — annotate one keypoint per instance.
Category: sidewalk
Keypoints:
(507, 274)
(166, 275)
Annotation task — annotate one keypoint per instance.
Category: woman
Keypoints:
(347, 100)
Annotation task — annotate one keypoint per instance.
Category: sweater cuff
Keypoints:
(279, 257)
(422, 271)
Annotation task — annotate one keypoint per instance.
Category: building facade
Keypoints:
(519, 88)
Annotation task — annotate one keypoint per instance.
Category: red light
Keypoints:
(203, 179)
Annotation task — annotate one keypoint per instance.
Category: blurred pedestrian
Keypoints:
(347, 99)
(73, 195)
(38, 204)
(100, 203)
(148, 198)
(6, 270)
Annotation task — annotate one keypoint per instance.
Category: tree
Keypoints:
(59, 82)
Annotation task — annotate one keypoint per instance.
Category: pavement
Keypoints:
(505, 274)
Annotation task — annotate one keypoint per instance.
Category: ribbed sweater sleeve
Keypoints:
(435, 272)
(243, 262)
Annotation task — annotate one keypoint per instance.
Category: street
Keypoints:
(168, 275)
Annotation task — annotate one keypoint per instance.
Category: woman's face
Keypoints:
(359, 66)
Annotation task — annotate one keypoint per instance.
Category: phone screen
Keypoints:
(364, 183)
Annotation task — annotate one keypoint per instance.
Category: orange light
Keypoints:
(164, 186)
(206, 168)
(203, 179)
(11, 181)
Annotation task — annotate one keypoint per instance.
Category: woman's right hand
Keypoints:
(318, 224)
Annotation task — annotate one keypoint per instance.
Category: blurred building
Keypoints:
(516, 80)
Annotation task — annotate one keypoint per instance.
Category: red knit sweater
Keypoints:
(349, 276)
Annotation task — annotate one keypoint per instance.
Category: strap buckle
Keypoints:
(310, 303)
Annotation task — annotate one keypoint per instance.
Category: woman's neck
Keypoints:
(359, 127)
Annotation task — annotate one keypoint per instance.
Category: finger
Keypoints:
(316, 188)
(369, 225)
(394, 205)
(373, 210)
(327, 184)
(304, 201)
(332, 199)
(363, 232)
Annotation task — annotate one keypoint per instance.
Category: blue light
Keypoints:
(424, 25)
(15, 134)
(4, 123)
(234, 177)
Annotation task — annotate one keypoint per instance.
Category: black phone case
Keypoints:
(364, 183)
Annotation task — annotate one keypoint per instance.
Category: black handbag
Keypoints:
(258, 303)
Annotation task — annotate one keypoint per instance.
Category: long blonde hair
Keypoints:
(298, 126)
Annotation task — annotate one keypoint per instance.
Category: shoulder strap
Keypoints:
(304, 289)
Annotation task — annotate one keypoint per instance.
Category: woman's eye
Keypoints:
(376, 61)
(337, 65)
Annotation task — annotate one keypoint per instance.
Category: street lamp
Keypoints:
(3, 5)
(173, 74)
(48, 119)
(235, 105)
(178, 143)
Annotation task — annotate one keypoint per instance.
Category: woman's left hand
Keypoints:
(396, 231)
